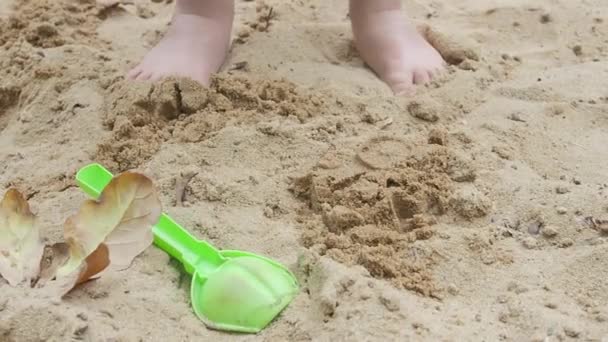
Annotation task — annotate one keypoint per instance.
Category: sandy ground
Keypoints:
(470, 212)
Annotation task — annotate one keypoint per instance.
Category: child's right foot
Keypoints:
(391, 46)
(195, 46)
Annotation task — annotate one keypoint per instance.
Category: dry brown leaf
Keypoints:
(20, 244)
(122, 218)
(95, 263)
(54, 256)
(92, 265)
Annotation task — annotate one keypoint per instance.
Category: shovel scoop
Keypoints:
(231, 290)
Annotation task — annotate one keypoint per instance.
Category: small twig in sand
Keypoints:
(244, 65)
(516, 117)
(597, 224)
(579, 145)
(267, 18)
(180, 186)
(113, 3)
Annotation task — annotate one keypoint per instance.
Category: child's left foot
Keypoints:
(195, 46)
(391, 46)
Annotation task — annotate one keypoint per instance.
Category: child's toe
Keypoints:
(144, 76)
(404, 88)
(133, 73)
(421, 77)
(154, 76)
(434, 73)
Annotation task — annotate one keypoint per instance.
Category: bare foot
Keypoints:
(195, 46)
(391, 46)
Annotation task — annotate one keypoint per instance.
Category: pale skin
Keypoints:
(198, 41)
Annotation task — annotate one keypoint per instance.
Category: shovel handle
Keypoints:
(194, 254)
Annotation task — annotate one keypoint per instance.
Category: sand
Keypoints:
(471, 211)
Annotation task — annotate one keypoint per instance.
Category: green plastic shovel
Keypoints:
(231, 290)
